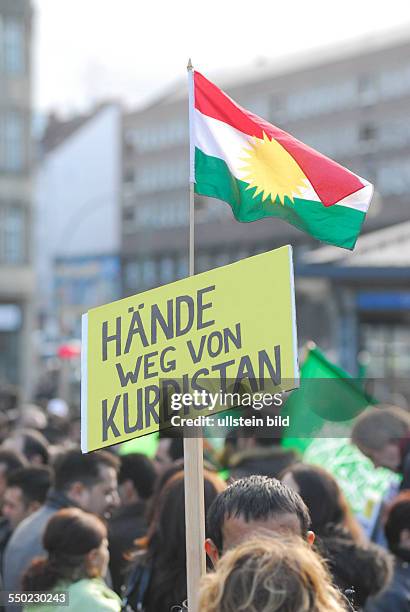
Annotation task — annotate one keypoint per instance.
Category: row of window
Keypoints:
(365, 90)
(161, 174)
(347, 139)
(146, 273)
(314, 101)
(167, 133)
(13, 233)
(171, 212)
(12, 46)
(149, 272)
(387, 346)
(339, 142)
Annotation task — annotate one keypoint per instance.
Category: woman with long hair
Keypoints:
(270, 574)
(77, 558)
(157, 582)
(357, 566)
(324, 498)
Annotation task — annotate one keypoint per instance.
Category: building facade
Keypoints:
(77, 200)
(16, 272)
(351, 102)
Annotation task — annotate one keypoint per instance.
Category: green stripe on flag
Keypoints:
(337, 225)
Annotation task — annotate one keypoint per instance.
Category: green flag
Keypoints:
(325, 403)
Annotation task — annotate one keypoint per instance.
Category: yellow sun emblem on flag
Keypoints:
(274, 173)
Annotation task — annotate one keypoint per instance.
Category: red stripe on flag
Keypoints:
(330, 180)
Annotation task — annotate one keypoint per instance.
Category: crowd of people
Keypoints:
(108, 528)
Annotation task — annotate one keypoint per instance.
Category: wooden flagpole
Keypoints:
(193, 447)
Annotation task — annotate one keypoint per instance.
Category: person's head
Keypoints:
(253, 505)
(89, 480)
(10, 460)
(76, 546)
(30, 443)
(377, 432)
(136, 478)
(26, 491)
(31, 417)
(261, 435)
(397, 526)
(165, 540)
(363, 567)
(169, 449)
(270, 574)
(322, 495)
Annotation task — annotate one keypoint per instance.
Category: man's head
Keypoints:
(10, 460)
(26, 491)
(30, 443)
(90, 480)
(397, 526)
(378, 432)
(136, 478)
(253, 505)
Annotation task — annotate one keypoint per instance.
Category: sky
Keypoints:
(89, 50)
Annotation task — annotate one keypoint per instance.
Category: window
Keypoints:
(132, 274)
(322, 99)
(203, 262)
(12, 141)
(182, 266)
(166, 272)
(367, 87)
(13, 46)
(149, 273)
(12, 234)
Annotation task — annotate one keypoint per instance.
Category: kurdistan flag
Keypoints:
(262, 171)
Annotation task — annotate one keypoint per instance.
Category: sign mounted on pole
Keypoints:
(235, 323)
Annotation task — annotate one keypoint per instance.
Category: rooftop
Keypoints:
(264, 68)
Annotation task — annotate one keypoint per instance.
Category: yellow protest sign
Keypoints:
(233, 323)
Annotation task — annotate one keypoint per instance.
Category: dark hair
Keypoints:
(322, 495)
(140, 470)
(160, 483)
(165, 541)
(34, 443)
(12, 459)
(72, 466)
(69, 535)
(364, 566)
(397, 519)
(176, 448)
(34, 482)
(254, 498)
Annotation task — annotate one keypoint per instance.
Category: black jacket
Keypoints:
(126, 525)
(397, 595)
